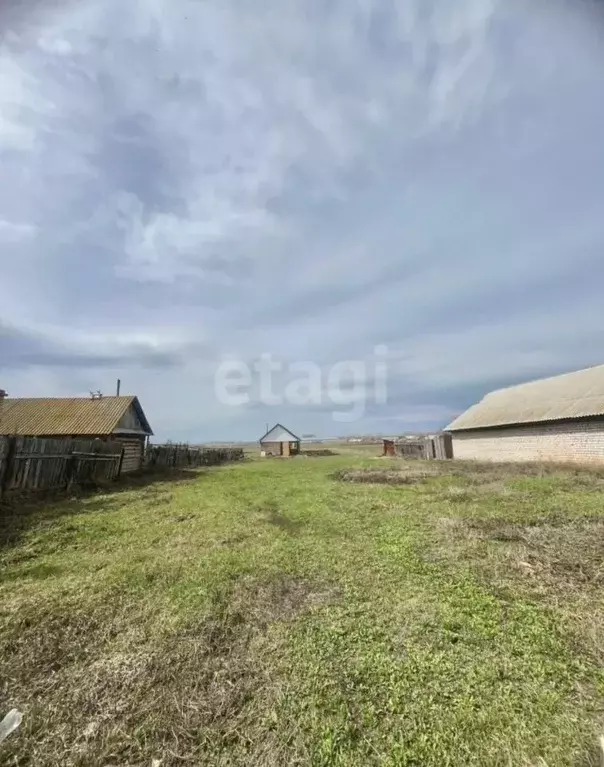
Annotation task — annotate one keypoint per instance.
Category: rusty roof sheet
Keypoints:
(66, 416)
(568, 396)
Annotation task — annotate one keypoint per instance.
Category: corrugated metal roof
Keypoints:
(571, 395)
(66, 416)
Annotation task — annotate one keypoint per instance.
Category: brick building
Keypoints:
(552, 419)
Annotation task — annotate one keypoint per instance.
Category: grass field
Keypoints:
(326, 611)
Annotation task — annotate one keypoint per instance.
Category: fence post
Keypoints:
(7, 464)
(119, 468)
(70, 468)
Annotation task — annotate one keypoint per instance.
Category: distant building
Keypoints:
(119, 419)
(280, 441)
(552, 419)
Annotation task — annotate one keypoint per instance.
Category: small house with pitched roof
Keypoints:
(119, 419)
(280, 441)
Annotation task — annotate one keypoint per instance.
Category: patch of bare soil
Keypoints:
(96, 689)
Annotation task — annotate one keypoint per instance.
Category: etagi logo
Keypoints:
(348, 384)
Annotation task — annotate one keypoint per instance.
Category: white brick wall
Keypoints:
(582, 442)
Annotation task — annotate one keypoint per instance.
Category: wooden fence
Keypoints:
(32, 464)
(164, 457)
(438, 447)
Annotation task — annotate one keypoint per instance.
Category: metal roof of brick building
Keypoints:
(568, 396)
(66, 416)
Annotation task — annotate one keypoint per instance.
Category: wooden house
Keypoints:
(280, 441)
(118, 419)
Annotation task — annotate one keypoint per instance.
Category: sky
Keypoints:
(397, 205)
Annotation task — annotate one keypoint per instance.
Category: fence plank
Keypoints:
(165, 457)
(30, 464)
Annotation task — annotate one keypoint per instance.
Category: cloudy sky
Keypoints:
(188, 185)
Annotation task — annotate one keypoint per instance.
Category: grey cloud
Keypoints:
(21, 349)
(307, 179)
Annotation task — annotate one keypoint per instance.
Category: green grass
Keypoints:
(283, 612)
